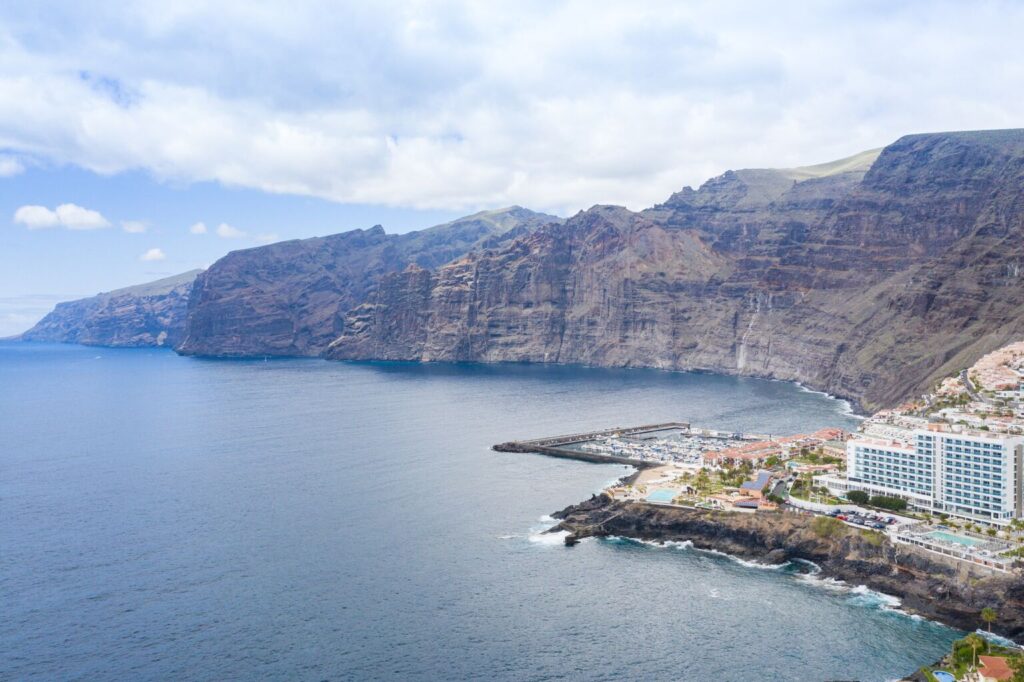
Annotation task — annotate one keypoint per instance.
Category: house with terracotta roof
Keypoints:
(993, 668)
(756, 453)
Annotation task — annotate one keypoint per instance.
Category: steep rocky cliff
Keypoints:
(925, 583)
(289, 298)
(145, 315)
(869, 277)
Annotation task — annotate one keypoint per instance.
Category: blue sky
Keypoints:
(123, 125)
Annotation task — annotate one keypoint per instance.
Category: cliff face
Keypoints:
(925, 584)
(869, 278)
(146, 315)
(289, 298)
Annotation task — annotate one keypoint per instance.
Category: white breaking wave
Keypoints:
(688, 545)
(847, 406)
(998, 639)
(542, 538)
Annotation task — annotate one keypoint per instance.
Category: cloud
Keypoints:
(268, 238)
(74, 217)
(10, 166)
(36, 217)
(198, 228)
(457, 105)
(70, 216)
(228, 232)
(134, 226)
(153, 254)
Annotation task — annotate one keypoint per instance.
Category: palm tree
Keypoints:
(990, 616)
(975, 642)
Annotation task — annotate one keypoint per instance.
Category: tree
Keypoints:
(975, 642)
(858, 497)
(890, 503)
(990, 616)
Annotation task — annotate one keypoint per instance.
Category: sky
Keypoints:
(143, 139)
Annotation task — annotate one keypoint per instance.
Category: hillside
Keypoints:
(290, 298)
(868, 278)
(150, 314)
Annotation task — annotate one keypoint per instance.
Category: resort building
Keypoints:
(973, 475)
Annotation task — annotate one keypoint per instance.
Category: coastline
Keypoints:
(925, 587)
(851, 406)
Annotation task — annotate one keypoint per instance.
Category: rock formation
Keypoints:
(290, 298)
(145, 315)
(869, 278)
(926, 584)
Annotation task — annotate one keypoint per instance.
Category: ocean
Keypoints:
(164, 517)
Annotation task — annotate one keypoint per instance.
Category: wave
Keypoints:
(998, 639)
(688, 545)
(846, 407)
(544, 538)
(812, 568)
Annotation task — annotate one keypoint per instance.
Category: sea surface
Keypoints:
(165, 518)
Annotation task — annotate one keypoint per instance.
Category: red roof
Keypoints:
(995, 667)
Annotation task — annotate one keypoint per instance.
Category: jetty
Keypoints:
(644, 446)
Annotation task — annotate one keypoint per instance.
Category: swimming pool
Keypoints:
(958, 539)
(662, 495)
(943, 676)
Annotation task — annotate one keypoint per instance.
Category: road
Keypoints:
(966, 381)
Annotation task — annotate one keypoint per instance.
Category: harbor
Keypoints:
(645, 446)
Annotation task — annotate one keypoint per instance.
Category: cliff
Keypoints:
(150, 314)
(925, 585)
(289, 298)
(869, 277)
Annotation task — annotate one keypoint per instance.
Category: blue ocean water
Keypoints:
(174, 518)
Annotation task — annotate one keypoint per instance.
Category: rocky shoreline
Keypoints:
(925, 585)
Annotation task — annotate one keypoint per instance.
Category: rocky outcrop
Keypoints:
(926, 586)
(146, 315)
(289, 298)
(869, 278)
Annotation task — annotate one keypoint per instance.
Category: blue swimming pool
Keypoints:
(943, 676)
(958, 539)
(662, 495)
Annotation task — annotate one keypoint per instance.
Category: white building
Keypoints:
(972, 475)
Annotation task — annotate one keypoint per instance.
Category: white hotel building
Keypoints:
(972, 475)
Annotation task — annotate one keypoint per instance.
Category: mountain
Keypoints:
(290, 298)
(150, 314)
(869, 277)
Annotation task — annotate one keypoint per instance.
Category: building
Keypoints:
(974, 475)
(757, 453)
(994, 669)
(757, 486)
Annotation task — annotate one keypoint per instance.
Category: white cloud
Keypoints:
(74, 217)
(268, 238)
(228, 232)
(153, 254)
(198, 228)
(10, 166)
(36, 217)
(552, 105)
(134, 226)
(70, 216)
